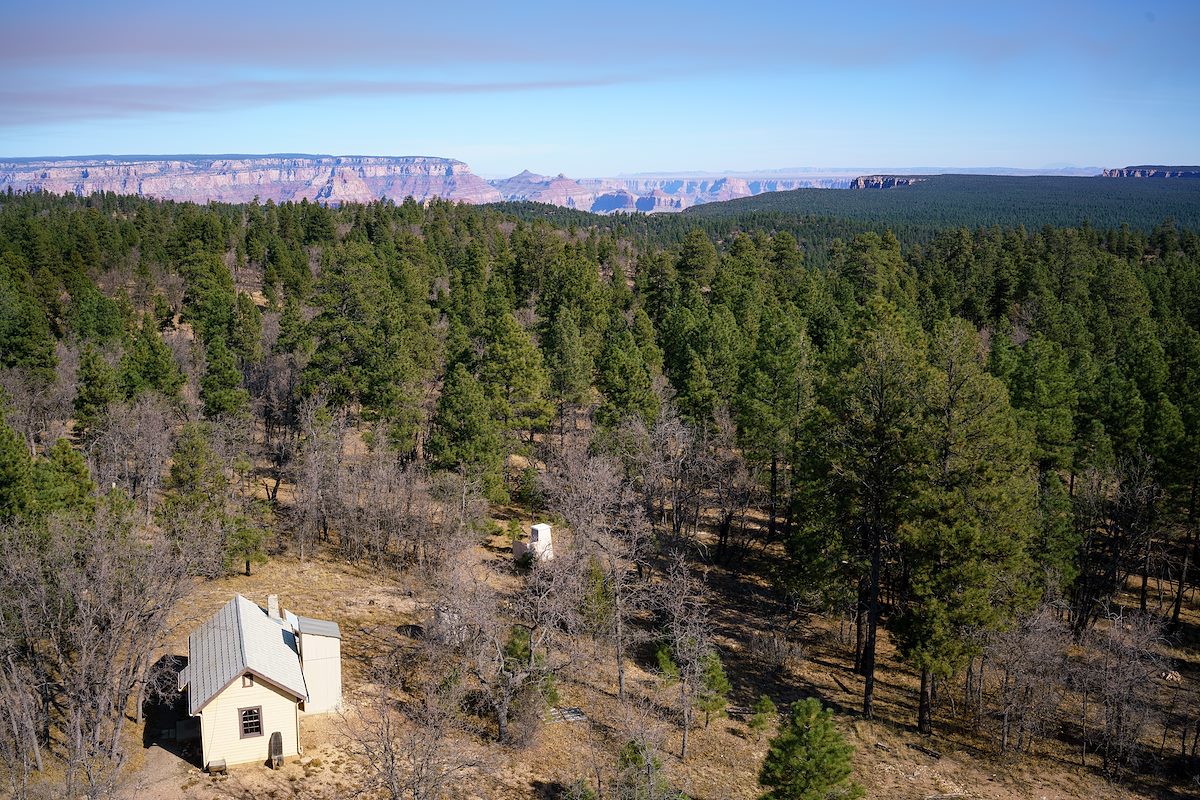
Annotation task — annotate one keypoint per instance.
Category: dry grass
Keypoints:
(723, 759)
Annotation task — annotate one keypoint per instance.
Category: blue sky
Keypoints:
(601, 88)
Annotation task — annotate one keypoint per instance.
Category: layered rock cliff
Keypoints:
(649, 193)
(1147, 171)
(237, 179)
(883, 181)
(361, 179)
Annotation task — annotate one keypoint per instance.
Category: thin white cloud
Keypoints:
(93, 102)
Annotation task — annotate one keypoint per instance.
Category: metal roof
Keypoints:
(318, 627)
(240, 638)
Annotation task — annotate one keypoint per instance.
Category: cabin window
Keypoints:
(251, 719)
(247, 681)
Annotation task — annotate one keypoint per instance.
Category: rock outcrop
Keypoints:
(559, 190)
(649, 193)
(884, 181)
(362, 179)
(1146, 171)
(239, 179)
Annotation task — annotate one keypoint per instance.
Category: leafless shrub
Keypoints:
(131, 448)
(1119, 674)
(612, 540)
(408, 750)
(1031, 661)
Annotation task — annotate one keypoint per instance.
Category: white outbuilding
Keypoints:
(251, 673)
(540, 545)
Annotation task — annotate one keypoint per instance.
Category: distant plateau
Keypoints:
(336, 180)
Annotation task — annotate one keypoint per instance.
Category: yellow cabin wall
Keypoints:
(220, 724)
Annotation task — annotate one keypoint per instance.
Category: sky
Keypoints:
(602, 88)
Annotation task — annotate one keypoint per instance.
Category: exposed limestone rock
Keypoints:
(884, 181)
(1147, 171)
(238, 179)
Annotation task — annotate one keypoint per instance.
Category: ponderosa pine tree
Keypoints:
(808, 758)
(25, 338)
(148, 365)
(465, 435)
(61, 481)
(16, 472)
(697, 262)
(97, 390)
(876, 447)
(514, 376)
(624, 379)
(965, 531)
(776, 396)
(221, 387)
(570, 365)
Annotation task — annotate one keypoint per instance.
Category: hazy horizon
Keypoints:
(766, 171)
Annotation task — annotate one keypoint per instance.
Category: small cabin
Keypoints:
(540, 545)
(251, 673)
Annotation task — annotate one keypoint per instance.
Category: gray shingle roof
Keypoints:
(237, 639)
(318, 627)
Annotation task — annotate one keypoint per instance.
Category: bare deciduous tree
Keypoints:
(611, 532)
(512, 649)
(688, 635)
(1031, 662)
(1120, 675)
(86, 604)
(131, 448)
(408, 750)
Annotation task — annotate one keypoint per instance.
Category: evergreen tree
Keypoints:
(714, 688)
(97, 390)
(16, 472)
(25, 337)
(293, 332)
(61, 481)
(221, 387)
(697, 399)
(1043, 388)
(776, 397)
(808, 759)
(964, 537)
(877, 444)
(149, 366)
(764, 714)
(569, 362)
(196, 480)
(624, 380)
(514, 376)
(465, 435)
(697, 262)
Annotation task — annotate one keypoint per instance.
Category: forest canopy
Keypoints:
(953, 431)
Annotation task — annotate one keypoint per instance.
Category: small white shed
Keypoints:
(540, 544)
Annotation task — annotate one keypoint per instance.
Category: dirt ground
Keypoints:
(723, 758)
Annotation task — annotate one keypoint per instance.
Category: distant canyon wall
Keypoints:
(362, 179)
(1152, 172)
(326, 179)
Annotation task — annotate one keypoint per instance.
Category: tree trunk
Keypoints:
(502, 719)
(620, 646)
(774, 496)
(685, 704)
(868, 665)
(925, 708)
